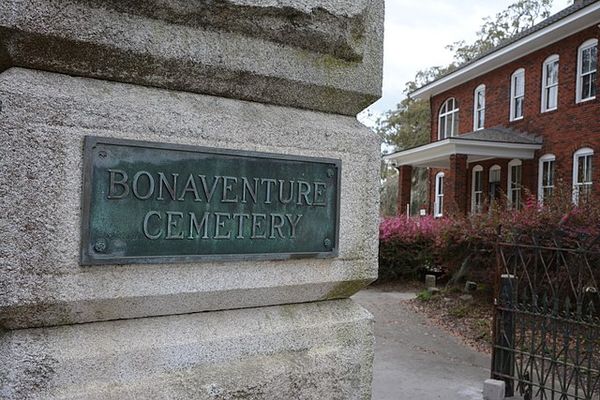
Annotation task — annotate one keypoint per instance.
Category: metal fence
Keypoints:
(546, 321)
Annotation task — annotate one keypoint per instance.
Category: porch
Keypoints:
(466, 170)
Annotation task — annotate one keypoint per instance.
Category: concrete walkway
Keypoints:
(415, 360)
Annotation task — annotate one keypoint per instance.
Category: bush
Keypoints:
(464, 247)
(407, 246)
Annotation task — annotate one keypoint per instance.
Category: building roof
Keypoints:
(501, 134)
(498, 142)
(570, 20)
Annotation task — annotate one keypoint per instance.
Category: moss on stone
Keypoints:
(345, 289)
(331, 62)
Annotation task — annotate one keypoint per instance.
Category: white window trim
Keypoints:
(438, 208)
(477, 168)
(513, 163)
(585, 45)
(480, 88)
(586, 151)
(550, 60)
(447, 114)
(520, 71)
(543, 159)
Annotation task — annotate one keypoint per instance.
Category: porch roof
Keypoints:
(480, 145)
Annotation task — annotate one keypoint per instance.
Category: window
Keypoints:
(477, 190)
(550, 84)
(448, 120)
(587, 65)
(495, 172)
(517, 94)
(479, 111)
(546, 176)
(582, 173)
(495, 175)
(514, 184)
(438, 206)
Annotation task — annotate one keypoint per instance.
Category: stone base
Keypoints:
(320, 350)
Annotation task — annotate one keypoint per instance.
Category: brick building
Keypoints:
(520, 117)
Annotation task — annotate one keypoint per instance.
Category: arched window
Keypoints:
(514, 183)
(479, 108)
(448, 119)
(517, 94)
(438, 205)
(477, 190)
(546, 176)
(582, 173)
(550, 84)
(587, 66)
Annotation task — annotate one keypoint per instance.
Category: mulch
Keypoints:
(469, 320)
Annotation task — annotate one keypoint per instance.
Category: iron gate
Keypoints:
(546, 330)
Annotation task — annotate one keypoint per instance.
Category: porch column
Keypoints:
(404, 188)
(456, 185)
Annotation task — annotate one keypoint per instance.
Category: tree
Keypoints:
(408, 125)
(518, 17)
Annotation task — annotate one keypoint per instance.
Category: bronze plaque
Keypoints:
(149, 202)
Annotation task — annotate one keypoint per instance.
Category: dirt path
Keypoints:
(415, 360)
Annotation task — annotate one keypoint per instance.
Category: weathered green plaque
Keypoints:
(149, 202)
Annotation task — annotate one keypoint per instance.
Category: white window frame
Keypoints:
(476, 208)
(515, 96)
(585, 46)
(438, 205)
(478, 108)
(510, 189)
(546, 88)
(547, 158)
(453, 114)
(584, 152)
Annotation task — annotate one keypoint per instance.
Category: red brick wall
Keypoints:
(565, 130)
(404, 187)
(455, 185)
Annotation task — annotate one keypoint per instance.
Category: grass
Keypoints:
(425, 295)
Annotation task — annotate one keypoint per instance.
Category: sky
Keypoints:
(416, 34)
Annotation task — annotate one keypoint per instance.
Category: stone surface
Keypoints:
(317, 54)
(140, 331)
(493, 389)
(430, 281)
(311, 351)
(43, 120)
(470, 287)
(434, 290)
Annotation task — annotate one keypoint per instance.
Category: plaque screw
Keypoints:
(330, 172)
(100, 246)
(327, 243)
(102, 154)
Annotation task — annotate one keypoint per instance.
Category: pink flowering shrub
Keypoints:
(464, 247)
(407, 246)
